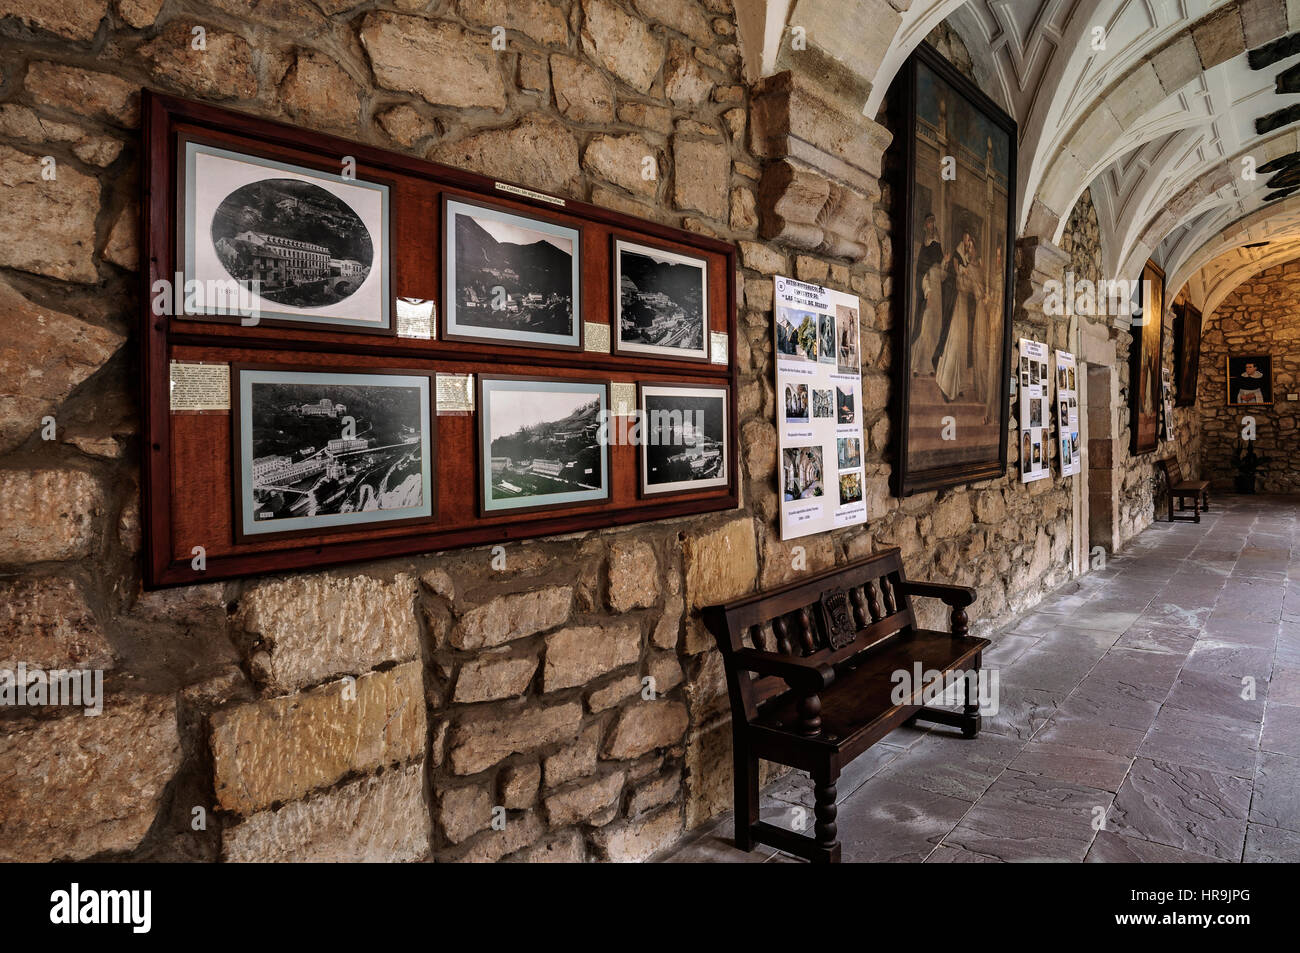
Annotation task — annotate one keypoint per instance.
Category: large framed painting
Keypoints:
(510, 278)
(264, 240)
(541, 443)
(322, 451)
(1144, 391)
(958, 186)
(1187, 353)
(1250, 380)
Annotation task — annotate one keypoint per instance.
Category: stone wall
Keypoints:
(1257, 318)
(549, 700)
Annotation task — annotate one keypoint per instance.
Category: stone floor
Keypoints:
(1124, 706)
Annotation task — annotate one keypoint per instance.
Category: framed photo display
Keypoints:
(541, 442)
(1187, 353)
(1145, 396)
(321, 451)
(510, 278)
(684, 443)
(661, 302)
(261, 240)
(1250, 380)
(954, 339)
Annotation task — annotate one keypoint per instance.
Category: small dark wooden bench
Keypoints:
(811, 671)
(1198, 491)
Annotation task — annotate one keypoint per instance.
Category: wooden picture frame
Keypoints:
(188, 453)
(645, 456)
(933, 379)
(1146, 356)
(537, 387)
(620, 245)
(244, 463)
(547, 231)
(202, 263)
(1187, 353)
(1245, 370)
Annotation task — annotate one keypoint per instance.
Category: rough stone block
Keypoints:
(480, 741)
(645, 726)
(575, 656)
(513, 616)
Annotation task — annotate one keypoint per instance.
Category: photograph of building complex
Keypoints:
(662, 302)
(510, 278)
(801, 473)
(327, 449)
(541, 442)
(684, 438)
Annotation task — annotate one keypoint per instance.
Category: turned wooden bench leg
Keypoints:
(971, 708)
(745, 770)
(825, 830)
(1205, 501)
(1196, 508)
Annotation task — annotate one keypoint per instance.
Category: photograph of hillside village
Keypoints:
(684, 438)
(544, 443)
(661, 302)
(303, 245)
(308, 461)
(511, 278)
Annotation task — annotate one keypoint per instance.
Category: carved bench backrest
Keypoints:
(828, 617)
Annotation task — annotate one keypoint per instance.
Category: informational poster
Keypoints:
(1067, 411)
(1035, 420)
(818, 408)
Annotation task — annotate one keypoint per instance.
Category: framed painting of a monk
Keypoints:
(1187, 353)
(1144, 381)
(957, 184)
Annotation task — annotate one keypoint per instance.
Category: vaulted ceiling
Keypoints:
(1154, 104)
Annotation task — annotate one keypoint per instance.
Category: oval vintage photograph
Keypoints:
(304, 245)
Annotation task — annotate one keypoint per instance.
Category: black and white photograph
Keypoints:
(541, 442)
(796, 403)
(827, 347)
(510, 278)
(801, 473)
(844, 410)
(319, 450)
(846, 326)
(1035, 413)
(683, 438)
(661, 307)
(796, 335)
(284, 243)
(823, 404)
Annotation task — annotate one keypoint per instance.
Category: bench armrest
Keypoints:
(798, 673)
(956, 597)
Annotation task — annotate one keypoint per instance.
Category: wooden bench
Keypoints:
(812, 672)
(1198, 491)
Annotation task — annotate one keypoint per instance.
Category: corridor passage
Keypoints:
(1150, 711)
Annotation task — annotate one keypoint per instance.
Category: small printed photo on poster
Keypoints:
(1070, 382)
(662, 303)
(1036, 413)
(1034, 376)
(846, 323)
(823, 404)
(844, 405)
(1062, 378)
(850, 488)
(849, 452)
(801, 473)
(1024, 366)
(796, 335)
(796, 403)
(1074, 444)
(1038, 454)
(1065, 412)
(1066, 456)
(826, 341)
(1025, 449)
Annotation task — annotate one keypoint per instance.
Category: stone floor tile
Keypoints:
(1112, 848)
(887, 821)
(1214, 743)
(1276, 801)
(954, 766)
(1271, 845)
(1281, 730)
(1184, 807)
(1095, 769)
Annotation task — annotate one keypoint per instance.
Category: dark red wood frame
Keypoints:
(187, 457)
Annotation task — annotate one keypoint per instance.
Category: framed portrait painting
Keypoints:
(1250, 380)
(282, 244)
(958, 151)
(1187, 353)
(1144, 383)
(510, 278)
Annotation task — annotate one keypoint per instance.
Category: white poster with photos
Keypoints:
(1035, 414)
(819, 408)
(1067, 411)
